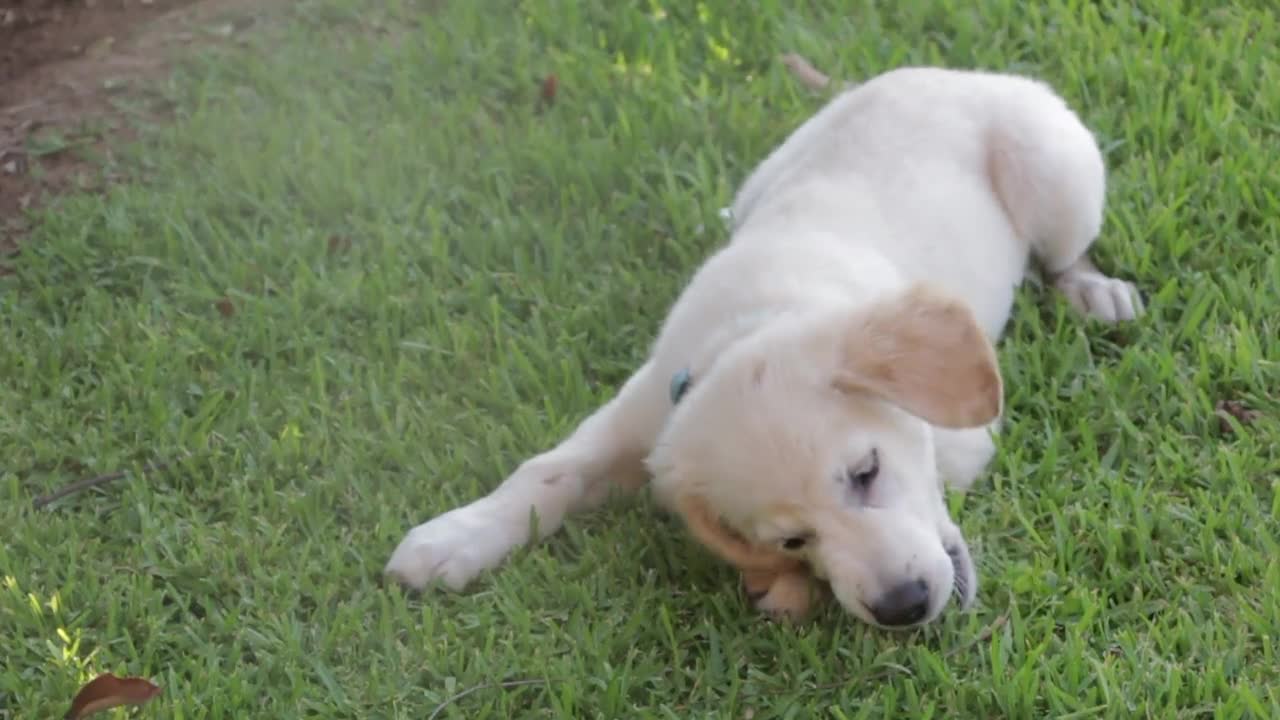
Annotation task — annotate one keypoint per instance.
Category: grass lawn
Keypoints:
(367, 270)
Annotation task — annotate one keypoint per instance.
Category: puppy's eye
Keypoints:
(861, 477)
(795, 543)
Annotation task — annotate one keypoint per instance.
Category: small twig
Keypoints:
(486, 686)
(808, 75)
(981, 637)
(15, 109)
(87, 483)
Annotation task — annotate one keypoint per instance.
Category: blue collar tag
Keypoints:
(680, 385)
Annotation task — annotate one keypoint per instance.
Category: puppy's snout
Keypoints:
(905, 604)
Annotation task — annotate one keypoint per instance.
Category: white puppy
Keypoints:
(830, 368)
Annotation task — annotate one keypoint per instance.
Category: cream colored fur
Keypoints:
(846, 327)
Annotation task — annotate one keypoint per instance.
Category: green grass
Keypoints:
(430, 277)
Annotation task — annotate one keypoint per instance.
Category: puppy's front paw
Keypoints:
(453, 548)
(783, 596)
(1096, 295)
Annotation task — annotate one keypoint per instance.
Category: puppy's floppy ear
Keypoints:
(925, 353)
(707, 528)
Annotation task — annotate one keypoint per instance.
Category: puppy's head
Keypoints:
(809, 441)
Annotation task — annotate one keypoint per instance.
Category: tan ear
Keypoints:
(730, 546)
(925, 353)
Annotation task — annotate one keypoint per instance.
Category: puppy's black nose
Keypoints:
(906, 604)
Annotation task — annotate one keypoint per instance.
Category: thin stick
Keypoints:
(981, 637)
(87, 483)
(15, 109)
(804, 71)
(486, 686)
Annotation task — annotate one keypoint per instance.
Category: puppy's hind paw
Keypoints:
(1106, 298)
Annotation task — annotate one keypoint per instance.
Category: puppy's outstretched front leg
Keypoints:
(606, 451)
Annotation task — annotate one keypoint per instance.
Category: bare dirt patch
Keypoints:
(64, 65)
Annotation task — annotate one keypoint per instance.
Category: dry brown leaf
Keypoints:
(101, 47)
(14, 162)
(549, 87)
(805, 72)
(108, 691)
(1234, 409)
(339, 244)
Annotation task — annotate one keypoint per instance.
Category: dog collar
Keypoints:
(680, 384)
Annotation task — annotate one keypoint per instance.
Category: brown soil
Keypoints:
(64, 64)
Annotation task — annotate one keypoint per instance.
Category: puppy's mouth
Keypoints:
(966, 579)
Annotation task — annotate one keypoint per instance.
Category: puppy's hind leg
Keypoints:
(1049, 173)
(605, 451)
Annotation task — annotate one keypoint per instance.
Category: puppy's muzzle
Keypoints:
(905, 604)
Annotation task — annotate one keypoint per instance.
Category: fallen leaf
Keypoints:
(14, 163)
(549, 87)
(1226, 409)
(49, 143)
(107, 691)
(805, 72)
(101, 47)
(225, 307)
(339, 244)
